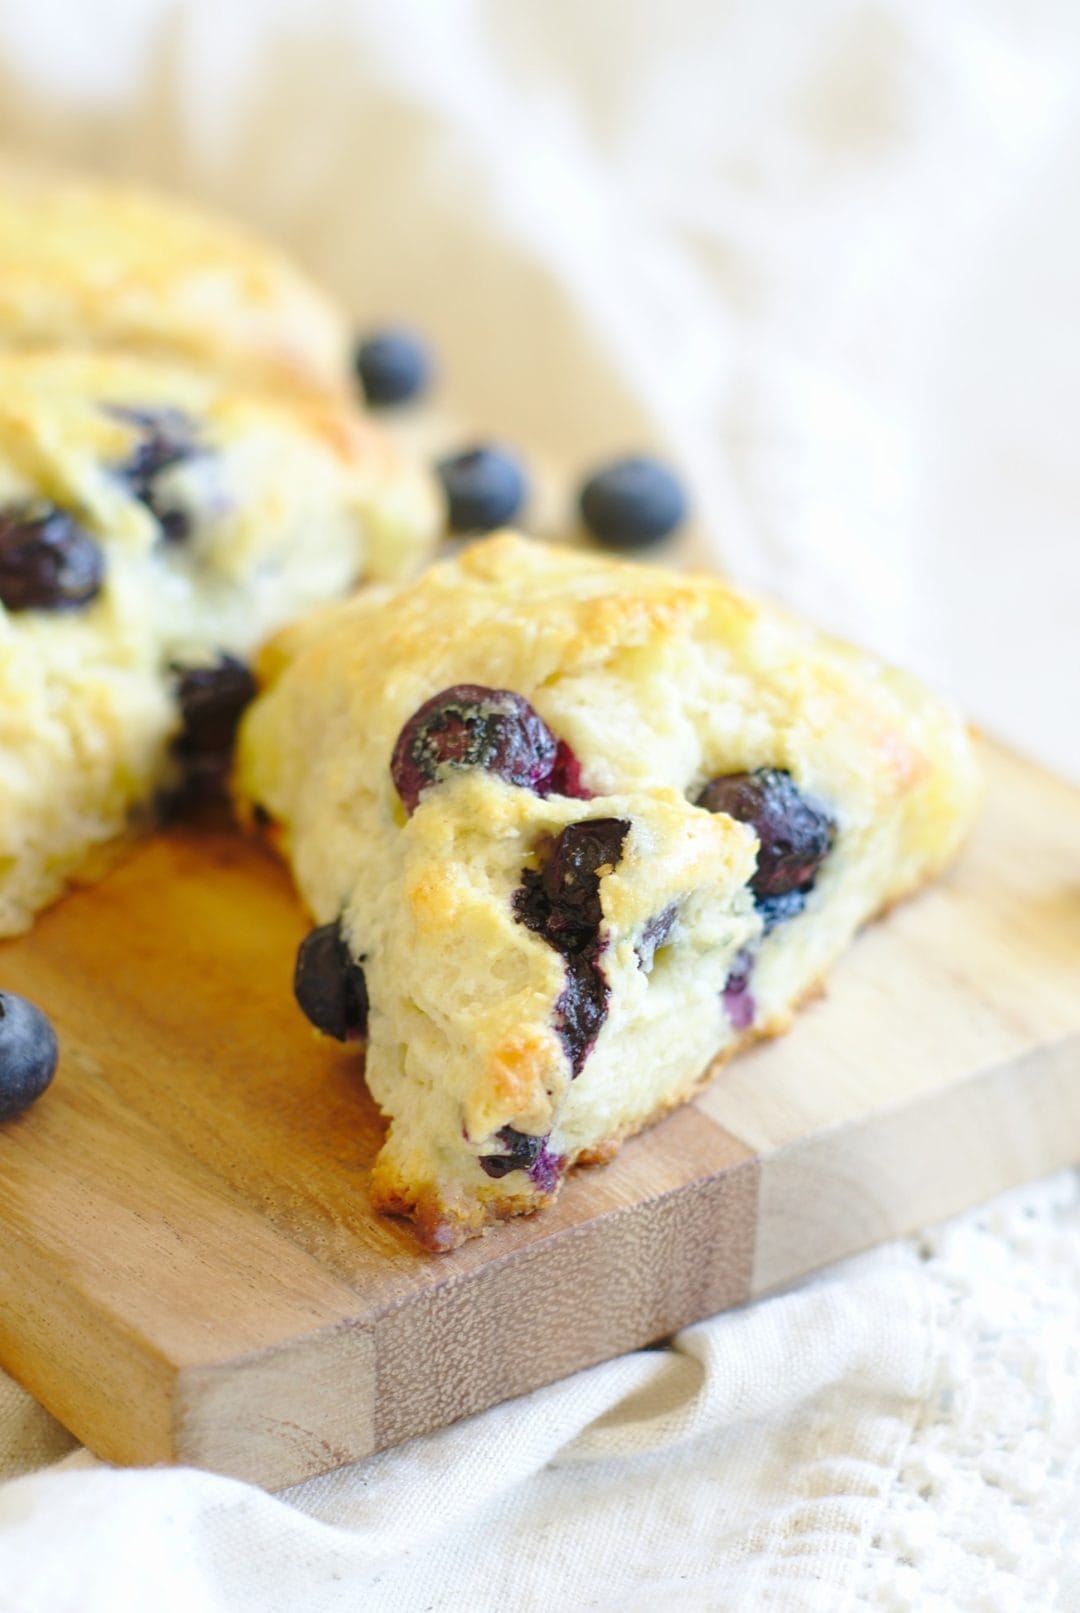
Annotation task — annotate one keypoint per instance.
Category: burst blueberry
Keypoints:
(632, 503)
(485, 488)
(330, 986)
(795, 835)
(47, 560)
(561, 902)
(211, 700)
(166, 437)
(393, 366)
(28, 1054)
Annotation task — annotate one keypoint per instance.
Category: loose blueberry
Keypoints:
(329, 986)
(632, 503)
(656, 934)
(47, 560)
(168, 437)
(472, 726)
(485, 488)
(524, 1153)
(393, 366)
(795, 834)
(212, 700)
(738, 998)
(28, 1054)
(561, 902)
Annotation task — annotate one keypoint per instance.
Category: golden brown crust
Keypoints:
(90, 263)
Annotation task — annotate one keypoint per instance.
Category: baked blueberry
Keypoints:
(212, 700)
(738, 998)
(632, 503)
(167, 437)
(393, 366)
(795, 835)
(469, 726)
(524, 1153)
(329, 986)
(47, 560)
(656, 934)
(561, 902)
(28, 1054)
(485, 488)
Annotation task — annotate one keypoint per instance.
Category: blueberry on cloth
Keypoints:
(329, 986)
(485, 488)
(47, 560)
(393, 366)
(28, 1054)
(795, 835)
(632, 503)
(470, 725)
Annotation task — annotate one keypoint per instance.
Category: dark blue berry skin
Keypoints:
(485, 488)
(393, 366)
(561, 902)
(47, 560)
(524, 1153)
(795, 835)
(28, 1054)
(212, 700)
(168, 437)
(329, 986)
(632, 503)
(470, 725)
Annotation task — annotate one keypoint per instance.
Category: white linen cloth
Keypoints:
(818, 253)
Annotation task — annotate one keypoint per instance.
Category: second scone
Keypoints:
(156, 523)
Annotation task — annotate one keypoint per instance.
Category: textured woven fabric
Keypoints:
(795, 246)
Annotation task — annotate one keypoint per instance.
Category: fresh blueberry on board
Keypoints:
(47, 560)
(393, 366)
(329, 986)
(485, 488)
(28, 1054)
(470, 725)
(795, 835)
(632, 503)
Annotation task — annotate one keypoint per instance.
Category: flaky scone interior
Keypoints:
(572, 829)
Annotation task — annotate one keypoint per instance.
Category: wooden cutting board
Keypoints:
(189, 1267)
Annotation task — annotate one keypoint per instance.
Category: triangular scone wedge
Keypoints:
(571, 829)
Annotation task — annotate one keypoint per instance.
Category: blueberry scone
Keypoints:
(89, 263)
(156, 523)
(571, 829)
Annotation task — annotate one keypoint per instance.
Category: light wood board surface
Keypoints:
(190, 1270)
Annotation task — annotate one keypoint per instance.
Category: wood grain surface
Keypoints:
(190, 1269)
